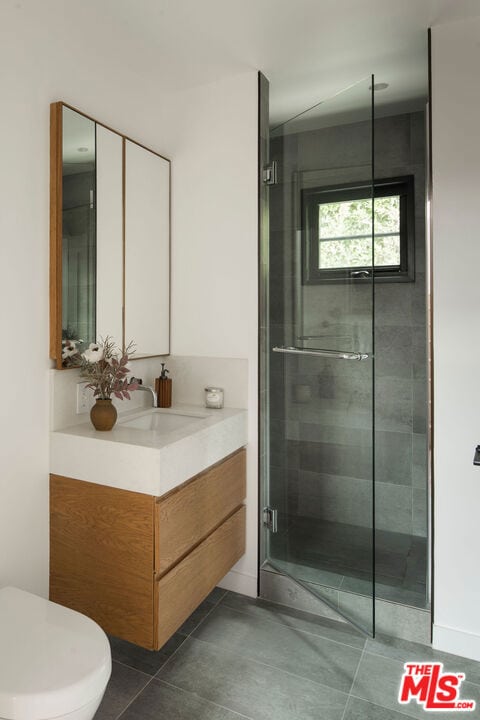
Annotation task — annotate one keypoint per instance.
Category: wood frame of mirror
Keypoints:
(56, 227)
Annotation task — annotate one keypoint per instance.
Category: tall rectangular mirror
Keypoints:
(79, 237)
(146, 216)
(110, 238)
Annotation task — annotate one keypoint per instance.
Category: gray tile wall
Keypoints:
(323, 464)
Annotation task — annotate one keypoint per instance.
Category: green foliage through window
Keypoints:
(345, 233)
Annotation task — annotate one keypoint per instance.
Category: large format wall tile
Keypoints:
(419, 512)
(393, 351)
(419, 460)
(335, 459)
(348, 500)
(393, 506)
(393, 457)
(335, 498)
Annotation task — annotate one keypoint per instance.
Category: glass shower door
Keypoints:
(318, 414)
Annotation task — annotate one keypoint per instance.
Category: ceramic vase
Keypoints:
(103, 414)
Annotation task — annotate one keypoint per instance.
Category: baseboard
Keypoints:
(457, 642)
(240, 583)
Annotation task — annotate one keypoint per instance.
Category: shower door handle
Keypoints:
(335, 354)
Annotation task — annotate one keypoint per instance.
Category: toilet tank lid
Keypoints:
(53, 660)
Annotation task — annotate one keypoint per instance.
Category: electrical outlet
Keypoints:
(84, 398)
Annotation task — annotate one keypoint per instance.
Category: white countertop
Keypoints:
(148, 461)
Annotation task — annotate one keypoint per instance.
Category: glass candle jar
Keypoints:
(214, 397)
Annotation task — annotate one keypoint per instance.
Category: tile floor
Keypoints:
(237, 657)
(340, 556)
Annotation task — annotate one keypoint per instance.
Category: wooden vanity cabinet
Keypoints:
(138, 564)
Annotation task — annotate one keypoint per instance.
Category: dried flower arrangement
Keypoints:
(104, 366)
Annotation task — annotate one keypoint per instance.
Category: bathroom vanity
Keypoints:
(145, 520)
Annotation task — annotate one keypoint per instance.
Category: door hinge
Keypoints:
(269, 175)
(270, 518)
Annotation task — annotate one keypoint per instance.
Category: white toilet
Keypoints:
(54, 662)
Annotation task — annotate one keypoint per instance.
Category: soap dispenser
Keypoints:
(163, 388)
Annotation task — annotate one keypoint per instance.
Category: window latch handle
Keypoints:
(360, 273)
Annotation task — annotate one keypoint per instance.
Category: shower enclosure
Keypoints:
(344, 408)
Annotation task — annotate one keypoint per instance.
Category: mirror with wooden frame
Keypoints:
(109, 238)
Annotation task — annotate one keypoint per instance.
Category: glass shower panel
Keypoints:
(320, 420)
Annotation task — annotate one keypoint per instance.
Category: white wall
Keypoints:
(456, 305)
(44, 56)
(215, 256)
(52, 51)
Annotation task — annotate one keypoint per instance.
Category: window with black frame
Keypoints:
(337, 231)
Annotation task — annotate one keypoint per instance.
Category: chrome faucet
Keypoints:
(146, 388)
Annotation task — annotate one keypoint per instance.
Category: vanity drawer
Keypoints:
(189, 514)
(180, 591)
(101, 555)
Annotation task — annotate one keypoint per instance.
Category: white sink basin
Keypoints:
(162, 421)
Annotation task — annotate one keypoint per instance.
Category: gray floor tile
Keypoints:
(386, 589)
(124, 684)
(363, 585)
(309, 574)
(163, 702)
(404, 650)
(323, 627)
(201, 611)
(216, 595)
(249, 687)
(295, 651)
(336, 549)
(148, 661)
(390, 563)
(378, 682)
(403, 596)
(389, 693)
(363, 710)
(387, 542)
